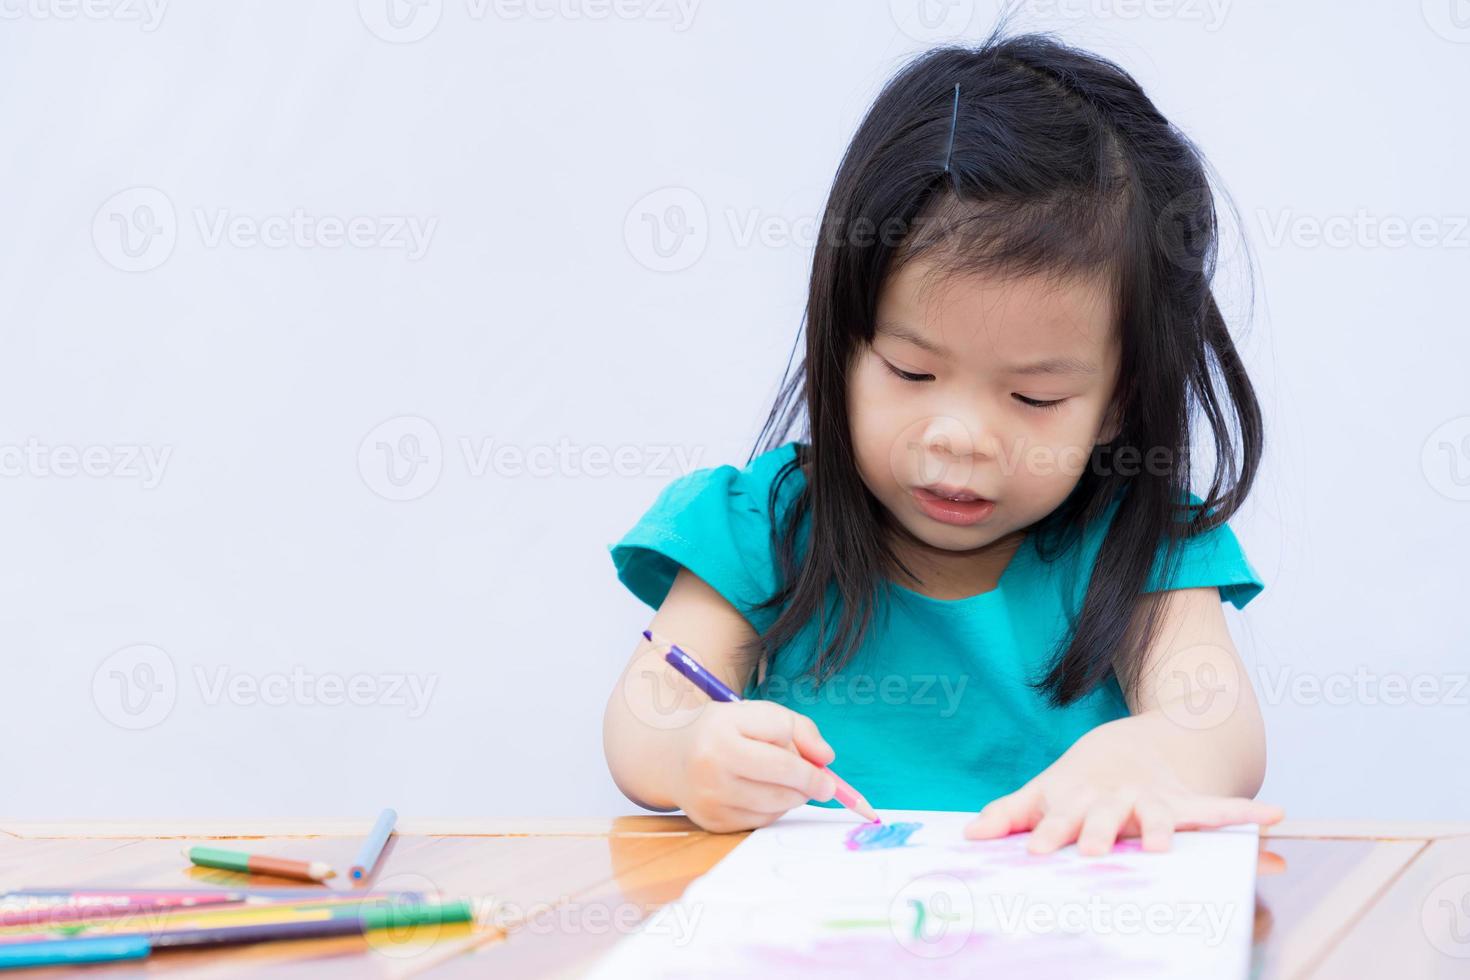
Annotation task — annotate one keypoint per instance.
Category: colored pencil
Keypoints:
(379, 916)
(716, 689)
(56, 914)
(194, 917)
(346, 923)
(259, 864)
(129, 893)
(71, 952)
(372, 846)
(46, 952)
(39, 897)
(368, 916)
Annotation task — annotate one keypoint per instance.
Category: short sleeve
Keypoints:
(715, 523)
(1213, 558)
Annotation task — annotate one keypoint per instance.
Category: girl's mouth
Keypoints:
(963, 509)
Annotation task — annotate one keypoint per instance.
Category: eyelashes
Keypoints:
(907, 375)
(1047, 406)
(1036, 403)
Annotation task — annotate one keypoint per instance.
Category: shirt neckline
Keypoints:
(1008, 575)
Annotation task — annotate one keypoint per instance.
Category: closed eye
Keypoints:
(907, 375)
(911, 377)
(1037, 403)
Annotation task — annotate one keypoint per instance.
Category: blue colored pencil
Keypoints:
(372, 847)
(68, 952)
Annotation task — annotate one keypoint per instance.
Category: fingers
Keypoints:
(1096, 823)
(759, 782)
(779, 725)
(810, 743)
(1057, 829)
(749, 762)
(728, 819)
(1102, 823)
(1155, 823)
(763, 763)
(720, 800)
(796, 736)
(1199, 812)
(1006, 815)
(761, 797)
(1266, 814)
(1096, 826)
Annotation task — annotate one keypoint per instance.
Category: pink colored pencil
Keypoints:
(63, 913)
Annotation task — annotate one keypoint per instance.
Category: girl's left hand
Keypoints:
(1104, 787)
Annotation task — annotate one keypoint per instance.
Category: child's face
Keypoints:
(966, 426)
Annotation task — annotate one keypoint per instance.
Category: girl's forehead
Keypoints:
(990, 316)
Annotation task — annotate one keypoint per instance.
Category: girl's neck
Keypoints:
(955, 574)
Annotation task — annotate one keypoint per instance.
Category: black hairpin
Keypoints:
(954, 117)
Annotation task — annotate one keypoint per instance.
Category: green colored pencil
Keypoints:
(259, 864)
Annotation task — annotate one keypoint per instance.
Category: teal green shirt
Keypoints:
(936, 710)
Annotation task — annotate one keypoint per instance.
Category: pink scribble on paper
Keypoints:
(967, 954)
(1098, 867)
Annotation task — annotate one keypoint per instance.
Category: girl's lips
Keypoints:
(961, 513)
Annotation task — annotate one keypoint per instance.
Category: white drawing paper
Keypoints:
(793, 900)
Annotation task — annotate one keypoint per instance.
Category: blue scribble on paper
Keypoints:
(876, 836)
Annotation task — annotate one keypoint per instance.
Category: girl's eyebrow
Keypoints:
(900, 332)
(1063, 364)
(1055, 365)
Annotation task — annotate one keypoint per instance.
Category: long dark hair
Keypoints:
(1058, 164)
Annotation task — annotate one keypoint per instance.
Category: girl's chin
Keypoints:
(943, 537)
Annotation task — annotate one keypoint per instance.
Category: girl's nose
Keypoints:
(946, 437)
(941, 449)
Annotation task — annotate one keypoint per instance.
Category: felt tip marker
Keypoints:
(718, 691)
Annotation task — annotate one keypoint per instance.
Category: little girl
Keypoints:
(981, 578)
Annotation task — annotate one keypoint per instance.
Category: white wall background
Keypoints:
(189, 636)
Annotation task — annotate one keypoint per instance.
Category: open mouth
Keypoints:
(957, 507)
(944, 493)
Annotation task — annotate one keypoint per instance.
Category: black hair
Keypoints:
(1059, 165)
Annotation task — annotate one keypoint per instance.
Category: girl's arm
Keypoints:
(1191, 755)
(729, 766)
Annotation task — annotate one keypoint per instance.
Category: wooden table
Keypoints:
(1339, 899)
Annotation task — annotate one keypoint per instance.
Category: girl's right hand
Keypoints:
(748, 762)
